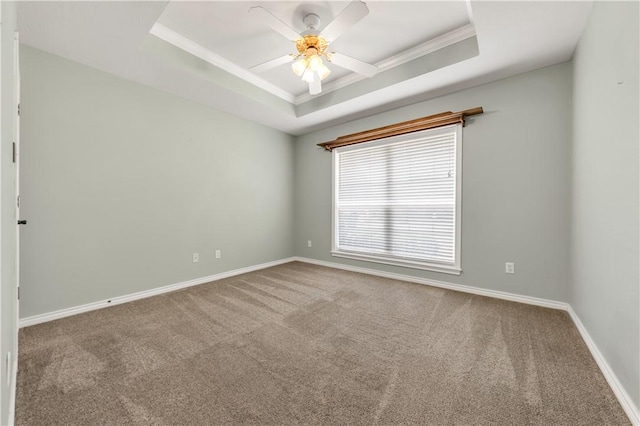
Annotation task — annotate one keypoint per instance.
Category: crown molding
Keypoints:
(188, 45)
(452, 37)
(430, 46)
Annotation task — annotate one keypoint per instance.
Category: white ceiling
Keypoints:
(246, 41)
(202, 50)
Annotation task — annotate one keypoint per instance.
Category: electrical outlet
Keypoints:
(510, 268)
(196, 257)
(218, 254)
(309, 243)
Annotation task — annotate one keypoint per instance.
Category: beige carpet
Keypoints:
(303, 344)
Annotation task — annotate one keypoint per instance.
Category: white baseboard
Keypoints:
(457, 287)
(626, 401)
(62, 313)
(623, 397)
(630, 408)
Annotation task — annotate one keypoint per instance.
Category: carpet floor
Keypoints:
(304, 344)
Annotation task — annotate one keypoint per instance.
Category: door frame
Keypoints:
(16, 140)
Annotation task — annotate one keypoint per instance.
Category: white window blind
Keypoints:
(397, 199)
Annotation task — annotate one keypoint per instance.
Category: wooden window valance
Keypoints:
(424, 123)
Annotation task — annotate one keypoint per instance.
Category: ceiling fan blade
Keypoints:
(265, 66)
(354, 65)
(275, 23)
(315, 87)
(354, 12)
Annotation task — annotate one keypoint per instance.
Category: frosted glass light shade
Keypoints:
(308, 76)
(299, 66)
(315, 62)
(323, 72)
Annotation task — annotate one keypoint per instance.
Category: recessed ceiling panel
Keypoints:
(231, 32)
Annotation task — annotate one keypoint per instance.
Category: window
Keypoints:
(397, 200)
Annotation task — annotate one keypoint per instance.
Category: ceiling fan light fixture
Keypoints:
(311, 48)
(315, 62)
(323, 72)
(299, 66)
(308, 76)
(312, 45)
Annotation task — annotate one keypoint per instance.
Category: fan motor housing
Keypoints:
(311, 21)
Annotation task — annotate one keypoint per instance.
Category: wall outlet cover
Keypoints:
(510, 268)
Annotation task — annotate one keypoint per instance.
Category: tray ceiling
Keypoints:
(204, 50)
(245, 41)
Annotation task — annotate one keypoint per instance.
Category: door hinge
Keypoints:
(18, 110)
(18, 292)
(14, 152)
(18, 201)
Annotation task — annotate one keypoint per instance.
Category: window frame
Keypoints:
(455, 268)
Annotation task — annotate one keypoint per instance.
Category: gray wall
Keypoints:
(122, 183)
(515, 184)
(8, 213)
(604, 244)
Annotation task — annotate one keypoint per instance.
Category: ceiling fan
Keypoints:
(312, 45)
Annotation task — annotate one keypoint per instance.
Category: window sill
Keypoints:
(453, 270)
